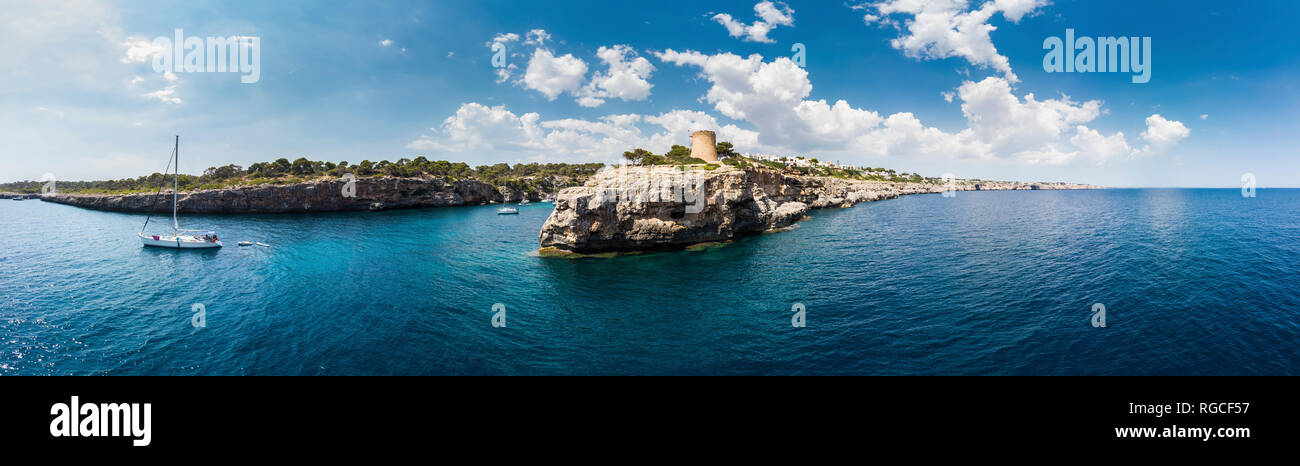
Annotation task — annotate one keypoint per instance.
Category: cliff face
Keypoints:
(318, 196)
(655, 208)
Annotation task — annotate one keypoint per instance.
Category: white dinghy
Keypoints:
(179, 238)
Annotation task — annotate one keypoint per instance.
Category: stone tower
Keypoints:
(704, 146)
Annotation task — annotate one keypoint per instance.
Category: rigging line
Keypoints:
(159, 193)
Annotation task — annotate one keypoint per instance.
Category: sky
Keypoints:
(931, 87)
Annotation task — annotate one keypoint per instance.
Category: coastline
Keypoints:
(370, 194)
(643, 209)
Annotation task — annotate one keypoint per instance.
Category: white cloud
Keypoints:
(1009, 125)
(552, 75)
(1205, 116)
(385, 42)
(478, 127)
(770, 16)
(502, 38)
(537, 37)
(479, 131)
(1161, 134)
(938, 29)
(1093, 145)
(627, 77)
(167, 94)
(773, 97)
(140, 50)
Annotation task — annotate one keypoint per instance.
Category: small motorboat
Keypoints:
(507, 210)
(525, 201)
(245, 243)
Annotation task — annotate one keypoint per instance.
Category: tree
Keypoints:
(678, 152)
(636, 156)
(726, 150)
(224, 172)
(302, 166)
(280, 167)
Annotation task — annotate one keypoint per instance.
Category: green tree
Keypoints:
(726, 150)
(678, 152)
(637, 156)
(301, 166)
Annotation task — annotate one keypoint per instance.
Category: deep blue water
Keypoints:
(1194, 282)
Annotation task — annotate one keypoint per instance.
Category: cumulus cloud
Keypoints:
(552, 75)
(770, 16)
(938, 29)
(1161, 134)
(140, 50)
(385, 42)
(167, 94)
(773, 97)
(1093, 145)
(537, 37)
(476, 129)
(626, 77)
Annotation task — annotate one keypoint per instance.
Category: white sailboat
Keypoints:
(179, 238)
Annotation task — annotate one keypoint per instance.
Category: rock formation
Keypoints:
(317, 196)
(654, 208)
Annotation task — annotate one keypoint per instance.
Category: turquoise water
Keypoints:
(1193, 281)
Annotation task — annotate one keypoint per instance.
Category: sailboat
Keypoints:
(180, 238)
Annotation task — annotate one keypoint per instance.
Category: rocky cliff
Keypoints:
(656, 208)
(317, 196)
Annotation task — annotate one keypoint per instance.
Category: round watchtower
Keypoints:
(704, 146)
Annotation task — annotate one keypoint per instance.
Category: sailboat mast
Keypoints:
(176, 185)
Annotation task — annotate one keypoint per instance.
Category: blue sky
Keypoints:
(923, 89)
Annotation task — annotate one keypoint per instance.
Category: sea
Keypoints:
(1185, 281)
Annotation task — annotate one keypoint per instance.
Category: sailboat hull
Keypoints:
(178, 242)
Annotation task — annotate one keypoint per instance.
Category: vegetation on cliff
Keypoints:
(522, 177)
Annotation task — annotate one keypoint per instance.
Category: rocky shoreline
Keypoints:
(8, 195)
(658, 208)
(317, 196)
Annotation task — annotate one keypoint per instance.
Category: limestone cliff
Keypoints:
(656, 208)
(317, 196)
